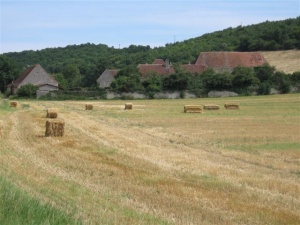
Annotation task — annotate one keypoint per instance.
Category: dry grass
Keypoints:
(157, 165)
(286, 61)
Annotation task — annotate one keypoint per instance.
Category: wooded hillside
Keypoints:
(90, 60)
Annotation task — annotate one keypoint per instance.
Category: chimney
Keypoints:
(167, 64)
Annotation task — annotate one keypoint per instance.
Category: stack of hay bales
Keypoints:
(52, 113)
(13, 104)
(54, 128)
(211, 107)
(193, 109)
(128, 106)
(232, 106)
(88, 106)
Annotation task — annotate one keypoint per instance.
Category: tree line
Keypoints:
(77, 66)
(242, 80)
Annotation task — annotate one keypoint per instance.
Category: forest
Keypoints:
(79, 66)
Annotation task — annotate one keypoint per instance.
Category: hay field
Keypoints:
(157, 165)
(286, 61)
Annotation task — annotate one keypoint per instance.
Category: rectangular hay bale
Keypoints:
(13, 104)
(232, 106)
(211, 107)
(52, 113)
(193, 109)
(54, 128)
(88, 106)
(128, 106)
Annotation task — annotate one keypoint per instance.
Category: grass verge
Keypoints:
(17, 207)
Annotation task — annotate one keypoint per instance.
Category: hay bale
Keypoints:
(13, 104)
(52, 113)
(88, 106)
(54, 128)
(128, 106)
(211, 107)
(193, 109)
(231, 106)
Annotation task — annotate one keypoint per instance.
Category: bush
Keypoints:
(281, 82)
(264, 88)
(27, 91)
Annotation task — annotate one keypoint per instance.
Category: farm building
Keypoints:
(227, 61)
(106, 78)
(218, 61)
(35, 75)
(159, 66)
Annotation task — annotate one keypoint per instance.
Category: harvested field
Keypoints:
(286, 61)
(157, 165)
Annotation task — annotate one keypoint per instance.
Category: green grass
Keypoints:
(17, 207)
(268, 146)
(4, 106)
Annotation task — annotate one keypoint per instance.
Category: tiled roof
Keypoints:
(193, 68)
(159, 61)
(17, 81)
(230, 59)
(144, 69)
(113, 72)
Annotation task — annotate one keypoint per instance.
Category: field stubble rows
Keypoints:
(155, 164)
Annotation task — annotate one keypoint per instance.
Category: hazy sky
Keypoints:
(33, 25)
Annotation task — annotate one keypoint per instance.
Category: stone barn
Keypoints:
(35, 75)
(106, 78)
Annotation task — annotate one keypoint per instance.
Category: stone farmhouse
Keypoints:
(106, 78)
(218, 61)
(35, 75)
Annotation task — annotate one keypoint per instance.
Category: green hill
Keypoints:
(92, 59)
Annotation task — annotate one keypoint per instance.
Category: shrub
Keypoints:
(27, 91)
(264, 88)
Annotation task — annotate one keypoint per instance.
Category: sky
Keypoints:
(40, 24)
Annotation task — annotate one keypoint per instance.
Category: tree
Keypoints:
(62, 82)
(281, 81)
(152, 84)
(27, 90)
(72, 75)
(295, 79)
(216, 81)
(178, 81)
(8, 72)
(264, 72)
(127, 80)
(244, 79)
